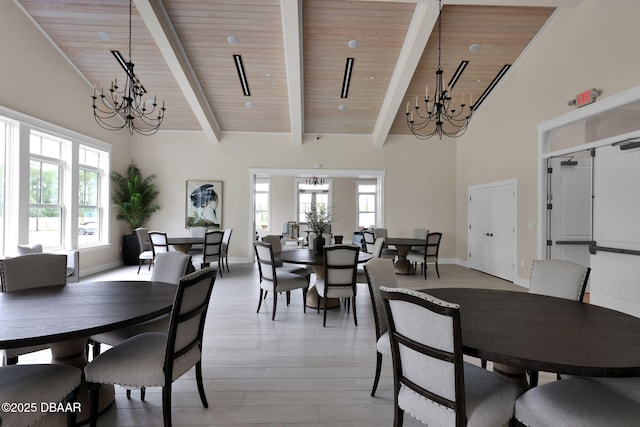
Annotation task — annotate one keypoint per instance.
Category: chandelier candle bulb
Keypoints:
(408, 106)
(426, 92)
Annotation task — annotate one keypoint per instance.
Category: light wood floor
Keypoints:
(289, 372)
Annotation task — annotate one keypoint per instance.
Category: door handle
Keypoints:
(489, 234)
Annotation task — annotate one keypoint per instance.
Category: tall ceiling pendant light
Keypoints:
(441, 115)
(124, 107)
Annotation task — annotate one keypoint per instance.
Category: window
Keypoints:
(310, 194)
(367, 192)
(45, 208)
(263, 203)
(89, 165)
(61, 197)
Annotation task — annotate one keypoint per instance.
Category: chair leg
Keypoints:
(220, 269)
(424, 270)
(259, 301)
(398, 417)
(483, 363)
(275, 303)
(203, 397)
(128, 393)
(378, 369)
(94, 398)
(142, 393)
(96, 349)
(324, 318)
(71, 415)
(437, 271)
(288, 298)
(533, 379)
(355, 319)
(304, 300)
(166, 404)
(139, 265)
(12, 360)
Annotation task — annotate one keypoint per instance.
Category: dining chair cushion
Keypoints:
(488, 401)
(383, 345)
(287, 281)
(34, 383)
(627, 386)
(576, 402)
(138, 362)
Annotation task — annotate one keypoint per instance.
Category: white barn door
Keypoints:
(492, 228)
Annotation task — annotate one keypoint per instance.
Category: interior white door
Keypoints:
(492, 225)
(570, 214)
(615, 275)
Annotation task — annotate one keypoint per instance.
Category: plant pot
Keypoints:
(130, 249)
(318, 245)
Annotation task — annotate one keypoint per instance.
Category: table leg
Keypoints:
(73, 353)
(313, 299)
(402, 266)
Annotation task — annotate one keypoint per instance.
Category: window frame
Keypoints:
(269, 195)
(375, 203)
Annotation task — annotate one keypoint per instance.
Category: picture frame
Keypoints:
(203, 204)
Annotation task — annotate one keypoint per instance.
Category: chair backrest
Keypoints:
(186, 324)
(380, 232)
(226, 239)
(169, 267)
(33, 271)
(377, 247)
(559, 278)
(379, 272)
(213, 244)
(159, 242)
(29, 249)
(144, 241)
(433, 245)
(426, 347)
(420, 233)
(197, 232)
(274, 241)
(340, 265)
(266, 260)
(369, 240)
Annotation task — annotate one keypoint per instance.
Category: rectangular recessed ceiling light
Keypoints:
(125, 67)
(457, 74)
(243, 78)
(492, 85)
(348, 68)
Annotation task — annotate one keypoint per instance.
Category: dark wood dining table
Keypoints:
(66, 316)
(543, 333)
(404, 245)
(314, 260)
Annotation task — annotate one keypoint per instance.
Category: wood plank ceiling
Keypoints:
(294, 53)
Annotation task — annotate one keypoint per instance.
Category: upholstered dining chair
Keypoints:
(213, 249)
(30, 271)
(380, 272)
(430, 254)
(169, 267)
(577, 402)
(226, 240)
(339, 281)
(277, 280)
(144, 243)
(156, 359)
(197, 249)
(369, 240)
(159, 242)
(431, 381)
(554, 278)
(34, 384)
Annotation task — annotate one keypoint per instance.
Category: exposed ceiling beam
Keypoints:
(157, 21)
(424, 19)
(292, 34)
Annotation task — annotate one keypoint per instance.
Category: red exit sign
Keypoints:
(585, 98)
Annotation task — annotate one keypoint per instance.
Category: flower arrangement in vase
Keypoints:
(319, 218)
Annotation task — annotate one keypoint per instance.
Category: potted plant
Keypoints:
(134, 197)
(319, 219)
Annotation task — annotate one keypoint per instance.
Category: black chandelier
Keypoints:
(441, 115)
(314, 180)
(124, 107)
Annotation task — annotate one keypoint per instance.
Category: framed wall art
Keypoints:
(204, 204)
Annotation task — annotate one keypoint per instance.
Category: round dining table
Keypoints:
(542, 333)
(65, 316)
(403, 246)
(315, 260)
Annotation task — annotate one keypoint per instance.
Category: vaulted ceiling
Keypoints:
(294, 54)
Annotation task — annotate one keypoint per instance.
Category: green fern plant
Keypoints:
(134, 196)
